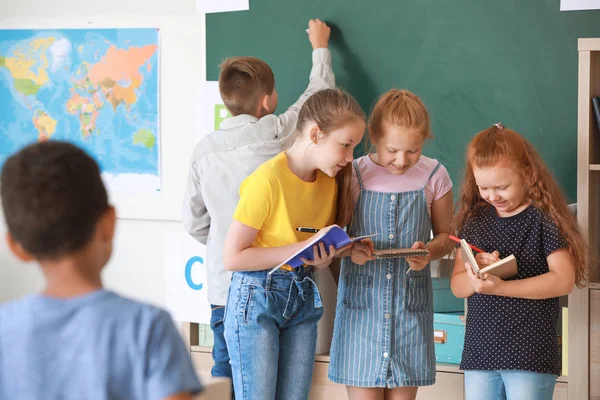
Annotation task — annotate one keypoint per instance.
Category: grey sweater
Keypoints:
(223, 159)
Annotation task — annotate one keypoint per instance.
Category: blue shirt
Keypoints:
(96, 346)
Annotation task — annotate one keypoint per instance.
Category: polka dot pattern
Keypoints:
(506, 332)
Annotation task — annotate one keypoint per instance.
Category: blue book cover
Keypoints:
(332, 235)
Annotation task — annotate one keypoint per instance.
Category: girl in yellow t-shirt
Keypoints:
(271, 319)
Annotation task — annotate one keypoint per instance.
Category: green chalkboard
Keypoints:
(473, 62)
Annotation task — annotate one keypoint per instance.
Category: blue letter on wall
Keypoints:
(188, 272)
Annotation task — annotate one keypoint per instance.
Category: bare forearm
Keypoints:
(439, 246)
(539, 287)
(461, 285)
(259, 258)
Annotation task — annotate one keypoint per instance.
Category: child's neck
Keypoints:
(299, 161)
(375, 159)
(511, 213)
(70, 277)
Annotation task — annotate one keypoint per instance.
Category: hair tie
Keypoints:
(499, 125)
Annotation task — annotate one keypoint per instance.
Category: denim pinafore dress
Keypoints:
(383, 332)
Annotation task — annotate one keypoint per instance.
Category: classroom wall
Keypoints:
(137, 266)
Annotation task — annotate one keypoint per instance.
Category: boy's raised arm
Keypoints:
(321, 76)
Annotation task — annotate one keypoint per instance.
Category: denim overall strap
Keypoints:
(360, 182)
(432, 174)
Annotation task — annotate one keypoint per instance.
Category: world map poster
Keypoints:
(96, 88)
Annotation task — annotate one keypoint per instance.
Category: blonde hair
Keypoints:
(331, 109)
(497, 144)
(243, 81)
(401, 108)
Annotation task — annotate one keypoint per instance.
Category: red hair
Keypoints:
(498, 144)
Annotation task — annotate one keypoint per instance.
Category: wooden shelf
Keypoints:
(589, 44)
(324, 358)
(588, 200)
(594, 285)
(454, 368)
(200, 349)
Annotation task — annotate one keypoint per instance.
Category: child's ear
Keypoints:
(18, 250)
(264, 102)
(315, 134)
(108, 221)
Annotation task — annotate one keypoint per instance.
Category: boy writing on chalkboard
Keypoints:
(76, 340)
(223, 159)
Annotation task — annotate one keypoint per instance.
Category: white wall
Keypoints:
(92, 9)
(137, 266)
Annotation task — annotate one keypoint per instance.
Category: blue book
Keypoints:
(332, 235)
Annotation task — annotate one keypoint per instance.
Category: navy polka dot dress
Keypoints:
(507, 333)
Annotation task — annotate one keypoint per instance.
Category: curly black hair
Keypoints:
(52, 197)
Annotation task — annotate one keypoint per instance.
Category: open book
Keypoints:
(505, 268)
(399, 253)
(331, 235)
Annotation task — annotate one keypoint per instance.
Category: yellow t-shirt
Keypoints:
(275, 201)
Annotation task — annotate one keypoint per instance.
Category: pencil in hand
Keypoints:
(457, 240)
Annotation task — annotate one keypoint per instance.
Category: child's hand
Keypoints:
(361, 251)
(318, 33)
(487, 284)
(485, 259)
(418, 263)
(322, 257)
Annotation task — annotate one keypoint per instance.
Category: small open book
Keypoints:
(331, 235)
(399, 253)
(505, 268)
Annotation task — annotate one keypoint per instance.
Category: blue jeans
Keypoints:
(271, 333)
(509, 385)
(220, 355)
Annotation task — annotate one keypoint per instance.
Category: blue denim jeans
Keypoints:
(509, 385)
(220, 355)
(271, 333)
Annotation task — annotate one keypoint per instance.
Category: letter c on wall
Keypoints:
(188, 272)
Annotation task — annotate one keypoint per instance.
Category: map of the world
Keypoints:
(96, 88)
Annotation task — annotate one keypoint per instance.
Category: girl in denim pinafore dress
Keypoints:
(383, 334)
